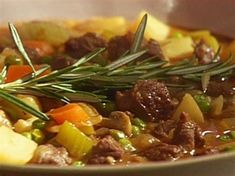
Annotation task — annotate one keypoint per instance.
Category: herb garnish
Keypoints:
(120, 74)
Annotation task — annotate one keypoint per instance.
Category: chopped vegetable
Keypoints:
(203, 102)
(15, 148)
(139, 123)
(135, 130)
(39, 124)
(113, 26)
(70, 112)
(217, 105)
(78, 164)
(126, 143)
(189, 105)
(77, 143)
(46, 31)
(116, 134)
(18, 71)
(37, 136)
(155, 28)
(177, 48)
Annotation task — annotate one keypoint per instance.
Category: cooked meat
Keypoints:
(118, 45)
(80, 46)
(204, 53)
(107, 151)
(148, 99)
(48, 154)
(154, 49)
(163, 129)
(162, 152)
(60, 62)
(118, 120)
(219, 87)
(188, 134)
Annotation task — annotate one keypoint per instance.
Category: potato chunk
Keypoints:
(15, 148)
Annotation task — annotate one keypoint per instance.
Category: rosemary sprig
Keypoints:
(19, 45)
(14, 100)
(139, 35)
(67, 84)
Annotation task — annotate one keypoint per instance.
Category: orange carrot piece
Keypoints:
(15, 72)
(43, 48)
(70, 112)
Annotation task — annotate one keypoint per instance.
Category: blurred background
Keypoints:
(216, 15)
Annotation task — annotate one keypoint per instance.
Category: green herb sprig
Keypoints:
(65, 84)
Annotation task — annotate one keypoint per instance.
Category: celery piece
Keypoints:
(76, 142)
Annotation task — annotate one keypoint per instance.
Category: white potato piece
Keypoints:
(15, 148)
(155, 28)
(189, 105)
(176, 48)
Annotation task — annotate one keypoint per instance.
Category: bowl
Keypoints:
(217, 16)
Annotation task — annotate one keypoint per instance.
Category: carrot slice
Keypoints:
(43, 48)
(71, 112)
(15, 72)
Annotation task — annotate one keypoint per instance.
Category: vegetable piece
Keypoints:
(113, 26)
(70, 112)
(116, 134)
(87, 129)
(126, 144)
(17, 112)
(189, 105)
(177, 48)
(135, 130)
(45, 31)
(78, 164)
(118, 120)
(37, 136)
(77, 143)
(18, 71)
(143, 141)
(15, 148)
(24, 125)
(217, 106)
(94, 116)
(155, 28)
(203, 102)
(42, 48)
(139, 123)
(39, 124)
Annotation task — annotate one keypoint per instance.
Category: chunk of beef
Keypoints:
(80, 46)
(204, 53)
(154, 49)
(107, 151)
(163, 129)
(219, 87)
(60, 62)
(118, 45)
(163, 152)
(48, 154)
(148, 99)
(188, 134)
